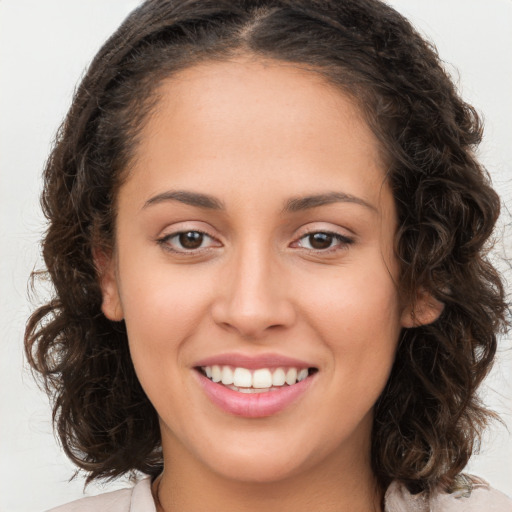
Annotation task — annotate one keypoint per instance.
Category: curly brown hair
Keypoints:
(429, 417)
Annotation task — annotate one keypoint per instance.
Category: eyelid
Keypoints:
(325, 227)
(164, 241)
(343, 240)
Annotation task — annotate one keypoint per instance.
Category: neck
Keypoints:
(188, 486)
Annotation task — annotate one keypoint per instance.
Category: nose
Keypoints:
(252, 298)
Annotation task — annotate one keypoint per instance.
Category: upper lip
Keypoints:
(253, 361)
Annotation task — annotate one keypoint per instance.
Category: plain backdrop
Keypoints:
(45, 46)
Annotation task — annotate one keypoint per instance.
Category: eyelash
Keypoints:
(343, 241)
(165, 242)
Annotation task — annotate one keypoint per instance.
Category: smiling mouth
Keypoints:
(261, 380)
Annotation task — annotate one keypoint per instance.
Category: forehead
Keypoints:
(259, 119)
(257, 95)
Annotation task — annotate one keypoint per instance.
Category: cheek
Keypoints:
(162, 310)
(355, 300)
(357, 314)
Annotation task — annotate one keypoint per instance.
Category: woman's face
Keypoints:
(255, 242)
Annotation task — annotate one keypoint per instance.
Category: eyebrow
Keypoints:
(191, 198)
(314, 201)
(291, 206)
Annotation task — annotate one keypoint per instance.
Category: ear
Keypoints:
(422, 311)
(105, 266)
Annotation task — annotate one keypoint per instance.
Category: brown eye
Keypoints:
(323, 241)
(191, 239)
(187, 242)
(320, 240)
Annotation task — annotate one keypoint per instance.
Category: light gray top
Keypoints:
(477, 496)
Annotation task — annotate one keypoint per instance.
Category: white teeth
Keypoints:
(227, 375)
(242, 378)
(291, 376)
(254, 381)
(246, 390)
(278, 377)
(216, 373)
(253, 390)
(262, 378)
(302, 374)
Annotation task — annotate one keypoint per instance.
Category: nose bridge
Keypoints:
(253, 298)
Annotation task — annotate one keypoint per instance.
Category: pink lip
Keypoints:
(253, 362)
(253, 405)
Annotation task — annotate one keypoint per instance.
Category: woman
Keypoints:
(267, 238)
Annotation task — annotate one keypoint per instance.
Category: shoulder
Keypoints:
(471, 495)
(134, 499)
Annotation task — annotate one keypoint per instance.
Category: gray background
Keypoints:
(45, 46)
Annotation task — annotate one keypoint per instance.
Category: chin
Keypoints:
(265, 459)
(259, 469)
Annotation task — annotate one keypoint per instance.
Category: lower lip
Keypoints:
(253, 405)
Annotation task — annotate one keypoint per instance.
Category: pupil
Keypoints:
(320, 240)
(191, 239)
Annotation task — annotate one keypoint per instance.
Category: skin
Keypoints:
(255, 135)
